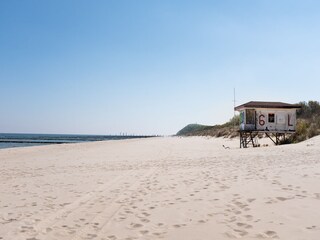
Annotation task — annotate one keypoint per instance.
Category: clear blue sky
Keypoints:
(150, 67)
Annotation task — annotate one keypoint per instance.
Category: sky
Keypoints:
(150, 67)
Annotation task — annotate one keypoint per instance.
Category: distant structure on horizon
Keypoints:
(272, 118)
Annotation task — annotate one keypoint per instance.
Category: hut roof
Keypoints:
(258, 104)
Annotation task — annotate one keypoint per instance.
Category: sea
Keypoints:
(13, 140)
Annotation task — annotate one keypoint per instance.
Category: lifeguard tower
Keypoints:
(274, 119)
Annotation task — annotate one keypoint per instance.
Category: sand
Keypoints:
(160, 188)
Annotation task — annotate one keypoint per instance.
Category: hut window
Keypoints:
(242, 117)
(271, 117)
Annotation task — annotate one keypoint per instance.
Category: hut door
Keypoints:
(250, 116)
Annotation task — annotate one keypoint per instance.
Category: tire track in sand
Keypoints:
(46, 226)
(102, 220)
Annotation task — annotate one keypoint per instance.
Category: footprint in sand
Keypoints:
(112, 237)
(145, 220)
(237, 212)
(159, 233)
(272, 234)
(312, 227)
(242, 233)
(202, 221)
(244, 225)
(248, 217)
(136, 225)
(146, 214)
(282, 198)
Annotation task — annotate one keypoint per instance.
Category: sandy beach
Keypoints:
(160, 188)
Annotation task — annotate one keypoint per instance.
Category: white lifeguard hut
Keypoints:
(272, 118)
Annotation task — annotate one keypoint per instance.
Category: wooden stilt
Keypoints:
(247, 137)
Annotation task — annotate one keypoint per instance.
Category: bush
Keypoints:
(302, 127)
(308, 110)
(313, 130)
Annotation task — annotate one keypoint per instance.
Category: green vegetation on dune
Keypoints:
(192, 128)
(228, 129)
(308, 121)
(308, 125)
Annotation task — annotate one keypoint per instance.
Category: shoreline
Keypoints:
(29, 140)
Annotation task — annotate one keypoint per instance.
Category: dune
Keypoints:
(160, 188)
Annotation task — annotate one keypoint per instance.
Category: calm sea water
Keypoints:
(11, 140)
